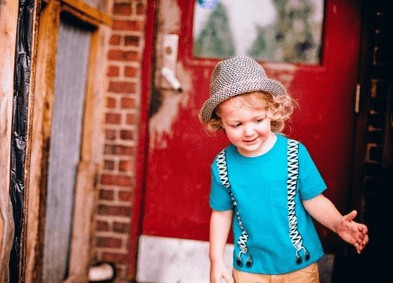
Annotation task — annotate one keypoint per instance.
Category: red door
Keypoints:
(179, 154)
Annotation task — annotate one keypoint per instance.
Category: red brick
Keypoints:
(109, 164)
(114, 210)
(140, 8)
(121, 55)
(130, 119)
(112, 118)
(121, 227)
(125, 196)
(127, 25)
(115, 40)
(108, 242)
(131, 40)
(130, 71)
(127, 102)
(102, 226)
(110, 102)
(113, 71)
(107, 179)
(106, 195)
(110, 135)
(126, 165)
(122, 87)
(126, 135)
(119, 150)
(122, 9)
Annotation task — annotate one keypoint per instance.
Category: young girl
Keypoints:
(265, 185)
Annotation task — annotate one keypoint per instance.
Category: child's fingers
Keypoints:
(350, 216)
(363, 229)
(361, 243)
(347, 220)
(359, 247)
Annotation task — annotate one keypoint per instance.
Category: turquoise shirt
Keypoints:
(260, 189)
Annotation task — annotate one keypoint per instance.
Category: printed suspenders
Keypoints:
(242, 241)
(293, 174)
(294, 235)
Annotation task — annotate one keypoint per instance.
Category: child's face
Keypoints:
(247, 127)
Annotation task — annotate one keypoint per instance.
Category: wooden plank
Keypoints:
(84, 204)
(25, 231)
(72, 62)
(91, 156)
(8, 26)
(42, 105)
(44, 78)
(89, 11)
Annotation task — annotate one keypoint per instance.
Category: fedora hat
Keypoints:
(234, 76)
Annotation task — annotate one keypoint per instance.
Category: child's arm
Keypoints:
(220, 224)
(324, 211)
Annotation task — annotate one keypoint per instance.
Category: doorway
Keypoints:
(175, 217)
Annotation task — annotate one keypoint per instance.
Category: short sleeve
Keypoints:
(220, 198)
(310, 179)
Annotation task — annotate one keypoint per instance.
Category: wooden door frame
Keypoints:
(40, 123)
(8, 28)
(363, 106)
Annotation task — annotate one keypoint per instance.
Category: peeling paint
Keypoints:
(166, 102)
(169, 17)
(160, 125)
(161, 122)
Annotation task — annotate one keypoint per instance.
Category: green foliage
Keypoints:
(215, 40)
(292, 37)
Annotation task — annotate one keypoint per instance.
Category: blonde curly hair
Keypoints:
(279, 109)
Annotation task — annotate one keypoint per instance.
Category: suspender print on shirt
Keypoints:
(294, 235)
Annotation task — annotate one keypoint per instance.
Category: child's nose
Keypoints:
(248, 130)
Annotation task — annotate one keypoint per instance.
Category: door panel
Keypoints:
(180, 152)
(71, 70)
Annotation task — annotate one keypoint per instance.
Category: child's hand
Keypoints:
(218, 272)
(353, 232)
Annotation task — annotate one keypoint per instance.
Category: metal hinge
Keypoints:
(357, 98)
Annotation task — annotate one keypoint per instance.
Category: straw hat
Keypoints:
(235, 76)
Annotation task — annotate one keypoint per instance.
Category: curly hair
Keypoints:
(278, 108)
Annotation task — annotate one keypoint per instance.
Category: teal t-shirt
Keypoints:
(259, 186)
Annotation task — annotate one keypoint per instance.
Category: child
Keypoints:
(265, 185)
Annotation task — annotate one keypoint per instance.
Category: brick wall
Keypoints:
(117, 177)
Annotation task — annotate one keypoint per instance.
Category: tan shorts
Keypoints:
(308, 274)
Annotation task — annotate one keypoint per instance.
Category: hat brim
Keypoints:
(273, 87)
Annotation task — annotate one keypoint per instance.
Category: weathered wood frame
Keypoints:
(8, 26)
(41, 105)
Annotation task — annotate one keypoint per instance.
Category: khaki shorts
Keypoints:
(308, 274)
